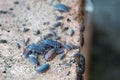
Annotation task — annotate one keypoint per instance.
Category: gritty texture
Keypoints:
(32, 15)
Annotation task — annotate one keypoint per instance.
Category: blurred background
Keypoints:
(105, 57)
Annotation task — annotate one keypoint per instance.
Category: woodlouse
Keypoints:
(23, 24)
(62, 8)
(62, 56)
(46, 36)
(34, 47)
(79, 76)
(49, 35)
(59, 17)
(72, 60)
(76, 54)
(81, 70)
(33, 59)
(57, 24)
(43, 68)
(50, 55)
(52, 43)
(68, 47)
(82, 64)
(76, 47)
(34, 53)
(59, 51)
(73, 46)
(38, 48)
(27, 53)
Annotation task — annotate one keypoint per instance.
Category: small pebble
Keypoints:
(62, 56)
(36, 32)
(43, 68)
(46, 23)
(68, 20)
(65, 29)
(4, 72)
(3, 41)
(23, 24)
(25, 29)
(3, 12)
(57, 24)
(11, 9)
(68, 73)
(18, 45)
(26, 41)
(16, 2)
(59, 18)
(70, 32)
(68, 64)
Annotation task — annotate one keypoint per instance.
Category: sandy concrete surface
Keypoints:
(33, 14)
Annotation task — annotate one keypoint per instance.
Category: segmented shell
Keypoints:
(62, 56)
(52, 43)
(27, 53)
(82, 64)
(68, 47)
(50, 55)
(59, 50)
(62, 7)
(39, 48)
(33, 59)
(43, 68)
(57, 24)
